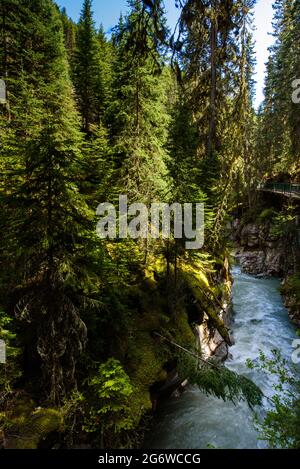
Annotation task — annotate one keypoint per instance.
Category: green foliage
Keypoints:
(292, 286)
(267, 215)
(70, 33)
(284, 223)
(111, 391)
(281, 425)
(47, 223)
(139, 112)
(97, 167)
(218, 91)
(219, 381)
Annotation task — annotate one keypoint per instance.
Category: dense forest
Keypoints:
(94, 328)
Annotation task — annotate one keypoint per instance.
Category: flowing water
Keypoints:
(196, 421)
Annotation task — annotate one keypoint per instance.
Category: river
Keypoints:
(196, 421)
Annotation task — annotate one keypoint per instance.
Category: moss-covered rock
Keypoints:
(145, 361)
(199, 285)
(146, 357)
(29, 426)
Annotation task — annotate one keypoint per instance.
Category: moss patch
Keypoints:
(29, 426)
(200, 288)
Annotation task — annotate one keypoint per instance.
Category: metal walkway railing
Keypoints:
(287, 189)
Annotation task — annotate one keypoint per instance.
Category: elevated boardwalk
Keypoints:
(287, 190)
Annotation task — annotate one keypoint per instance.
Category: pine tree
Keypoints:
(244, 168)
(107, 55)
(279, 134)
(206, 51)
(87, 71)
(70, 33)
(139, 107)
(97, 168)
(183, 146)
(47, 227)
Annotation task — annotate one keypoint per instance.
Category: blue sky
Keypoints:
(107, 12)
(263, 24)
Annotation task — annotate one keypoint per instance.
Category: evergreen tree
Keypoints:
(140, 110)
(244, 169)
(87, 71)
(46, 223)
(70, 33)
(106, 57)
(97, 168)
(279, 131)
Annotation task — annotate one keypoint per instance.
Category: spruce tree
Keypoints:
(279, 131)
(140, 110)
(47, 227)
(70, 34)
(87, 71)
(106, 57)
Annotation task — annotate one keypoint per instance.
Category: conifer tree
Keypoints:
(139, 107)
(213, 52)
(47, 227)
(106, 57)
(279, 134)
(87, 71)
(70, 33)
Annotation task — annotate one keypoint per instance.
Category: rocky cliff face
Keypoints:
(260, 251)
(211, 343)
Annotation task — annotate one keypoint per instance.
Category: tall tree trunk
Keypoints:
(137, 106)
(5, 61)
(213, 92)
